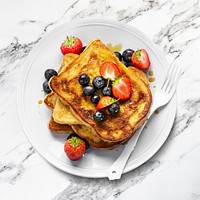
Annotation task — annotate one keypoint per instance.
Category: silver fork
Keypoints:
(162, 96)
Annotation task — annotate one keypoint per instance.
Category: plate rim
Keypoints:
(101, 173)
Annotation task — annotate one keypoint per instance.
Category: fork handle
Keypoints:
(116, 169)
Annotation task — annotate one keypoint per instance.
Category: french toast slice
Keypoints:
(67, 59)
(133, 112)
(63, 115)
(84, 131)
(59, 128)
(50, 100)
(93, 139)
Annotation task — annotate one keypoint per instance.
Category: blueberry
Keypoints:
(76, 135)
(83, 48)
(127, 55)
(95, 98)
(99, 116)
(84, 79)
(107, 91)
(118, 54)
(88, 90)
(98, 82)
(127, 64)
(113, 108)
(49, 73)
(46, 87)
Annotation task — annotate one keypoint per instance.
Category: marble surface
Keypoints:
(173, 172)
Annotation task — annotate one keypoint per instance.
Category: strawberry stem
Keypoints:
(114, 100)
(75, 141)
(69, 41)
(116, 81)
(138, 54)
(108, 82)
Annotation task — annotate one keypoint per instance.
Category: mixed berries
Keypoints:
(104, 91)
(112, 87)
(139, 59)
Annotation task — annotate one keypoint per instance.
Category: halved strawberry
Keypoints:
(122, 88)
(105, 101)
(74, 148)
(109, 70)
(140, 59)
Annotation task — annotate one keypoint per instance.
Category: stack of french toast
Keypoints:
(72, 111)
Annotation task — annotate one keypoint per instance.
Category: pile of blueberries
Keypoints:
(125, 57)
(89, 90)
(48, 74)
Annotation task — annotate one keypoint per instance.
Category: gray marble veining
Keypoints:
(103, 188)
(12, 164)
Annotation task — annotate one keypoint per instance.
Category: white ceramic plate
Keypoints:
(34, 117)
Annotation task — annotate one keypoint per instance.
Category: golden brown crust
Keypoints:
(50, 100)
(140, 74)
(67, 59)
(59, 128)
(93, 139)
(133, 112)
(62, 114)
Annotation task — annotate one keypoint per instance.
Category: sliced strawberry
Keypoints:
(71, 45)
(105, 101)
(74, 148)
(122, 88)
(109, 70)
(140, 59)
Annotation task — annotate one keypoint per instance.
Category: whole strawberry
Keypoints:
(74, 148)
(140, 59)
(71, 45)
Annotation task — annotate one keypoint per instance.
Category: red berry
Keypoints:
(140, 59)
(109, 70)
(71, 45)
(104, 102)
(74, 148)
(122, 88)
